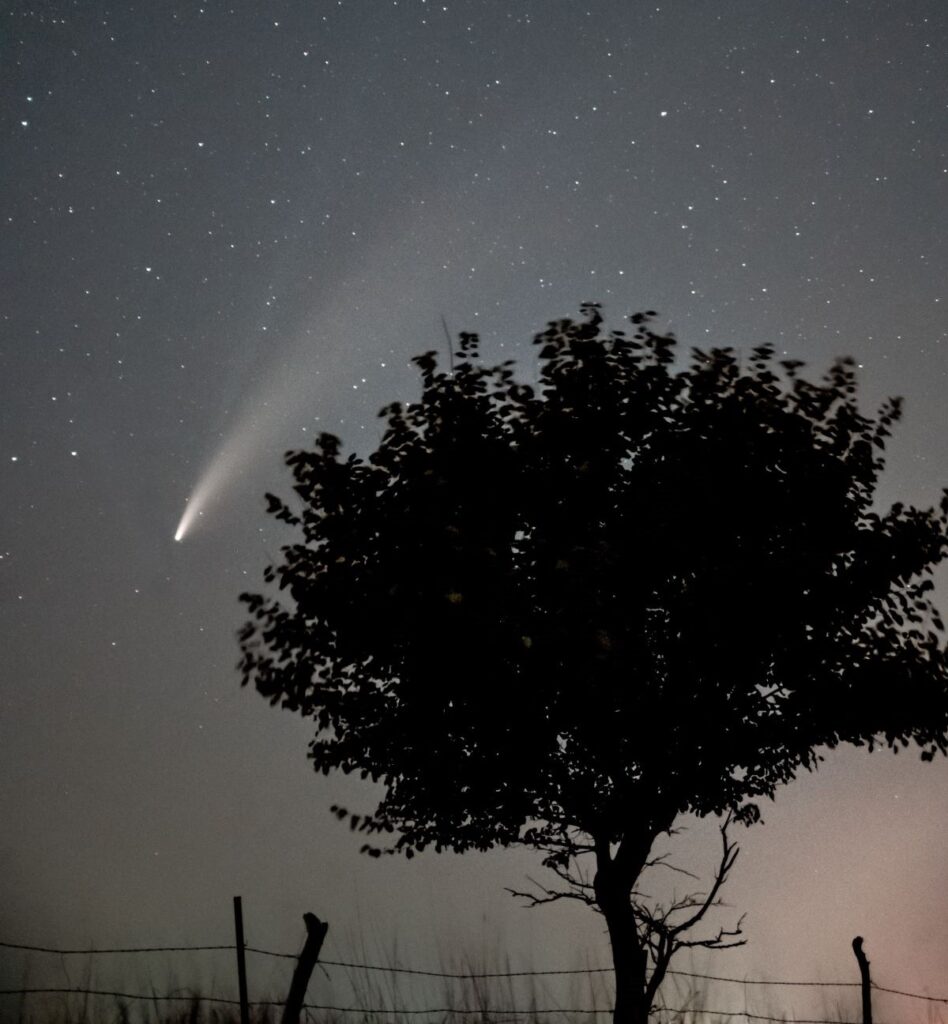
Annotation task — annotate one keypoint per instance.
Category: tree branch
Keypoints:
(545, 895)
(728, 857)
(664, 939)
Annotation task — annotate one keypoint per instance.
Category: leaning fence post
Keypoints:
(241, 961)
(866, 983)
(315, 934)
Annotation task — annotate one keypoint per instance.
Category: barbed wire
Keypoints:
(395, 1011)
(466, 975)
(910, 995)
(581, 970)
(463, 975)
(473, 976)
(135, 949)
(150, 997)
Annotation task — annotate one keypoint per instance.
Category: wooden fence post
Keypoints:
(241, 961)
(866, 983)
(315, 934)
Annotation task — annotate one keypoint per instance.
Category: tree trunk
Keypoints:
(615, 879)
(629, 959)
(629, 962)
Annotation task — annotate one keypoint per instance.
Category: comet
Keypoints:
(191, 512)
(223, 469)
(296, 382)
(255, 432)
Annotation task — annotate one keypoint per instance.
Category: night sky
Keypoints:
(227, 227)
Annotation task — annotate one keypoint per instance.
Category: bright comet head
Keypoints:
(184, 524)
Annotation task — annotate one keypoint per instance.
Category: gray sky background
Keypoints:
(228, 226)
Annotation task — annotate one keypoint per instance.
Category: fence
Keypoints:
(316, 931)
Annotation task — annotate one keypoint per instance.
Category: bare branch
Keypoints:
(663, 939)
(545, 895)
(728, 857)
(662, 862)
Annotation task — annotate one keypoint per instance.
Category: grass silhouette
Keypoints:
(386, 997)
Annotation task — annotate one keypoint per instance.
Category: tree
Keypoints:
(564, 616)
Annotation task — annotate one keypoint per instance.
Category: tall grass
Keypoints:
(377, 997)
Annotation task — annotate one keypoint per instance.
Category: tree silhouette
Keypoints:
(564, 616)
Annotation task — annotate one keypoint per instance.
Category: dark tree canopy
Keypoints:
(631, 592)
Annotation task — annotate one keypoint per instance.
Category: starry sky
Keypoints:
(228, 226)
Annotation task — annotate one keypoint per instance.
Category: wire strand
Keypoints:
(466, 975)
(89, 952)
(910, 995)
